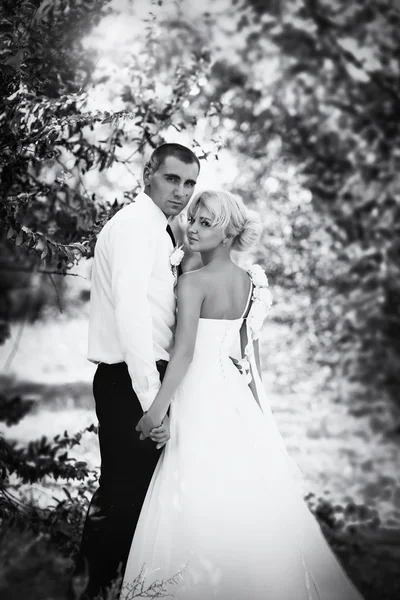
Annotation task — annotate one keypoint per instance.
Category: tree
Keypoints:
(47, 215)
(315, 87)
(49, 220)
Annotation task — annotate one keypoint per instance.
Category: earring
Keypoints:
(224, 241)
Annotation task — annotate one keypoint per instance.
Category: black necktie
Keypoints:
(171, 235)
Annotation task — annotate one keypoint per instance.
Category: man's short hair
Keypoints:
(160, 154)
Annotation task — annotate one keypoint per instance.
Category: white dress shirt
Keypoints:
(132, 303)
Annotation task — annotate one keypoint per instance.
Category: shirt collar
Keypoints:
(159, 216)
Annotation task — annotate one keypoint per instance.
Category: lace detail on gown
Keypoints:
(223, 514)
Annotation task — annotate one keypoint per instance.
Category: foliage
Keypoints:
(327, 102)
(318, 83)
(39, 542)
(43, 70)
(42, 85)
(49, 220)
(47, 213)
(296, 82)
(369, 554)
(41, 461)
(30, 566)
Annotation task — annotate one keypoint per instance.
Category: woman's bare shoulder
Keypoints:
(192, 279)
(198, 279)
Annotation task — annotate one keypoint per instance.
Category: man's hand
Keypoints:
(148, 422)
(161, 434)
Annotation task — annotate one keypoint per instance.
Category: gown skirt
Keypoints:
(224, 517)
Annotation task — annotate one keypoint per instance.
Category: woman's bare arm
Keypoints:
(190, 296)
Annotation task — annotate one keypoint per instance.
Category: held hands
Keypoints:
(149, 421)
(161, 434)
(149, 426)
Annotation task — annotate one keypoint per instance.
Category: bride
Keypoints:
(223, 517)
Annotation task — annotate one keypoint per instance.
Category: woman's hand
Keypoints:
(161, 434)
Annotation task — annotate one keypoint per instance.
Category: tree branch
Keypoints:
(15, 347)
(45, 271)
(56, 290)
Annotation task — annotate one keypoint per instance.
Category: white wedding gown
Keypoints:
(223, 517)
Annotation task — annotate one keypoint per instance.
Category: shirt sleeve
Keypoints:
(132, 252)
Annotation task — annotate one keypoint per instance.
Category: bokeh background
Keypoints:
(292, 104)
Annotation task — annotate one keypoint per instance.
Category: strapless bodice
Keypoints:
(216, 336)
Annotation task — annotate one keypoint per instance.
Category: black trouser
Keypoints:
(127, 465)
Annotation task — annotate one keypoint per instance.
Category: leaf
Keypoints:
(70, 255)
(19, 239)
(10, 233)
(67, 493)
(45, 252)
(39, 244)
(16, 60)
(41, 11)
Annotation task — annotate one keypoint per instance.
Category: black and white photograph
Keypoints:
(200, 299)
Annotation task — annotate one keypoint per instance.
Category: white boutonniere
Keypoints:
(176, 258)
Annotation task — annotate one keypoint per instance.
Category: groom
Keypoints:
(132, 319)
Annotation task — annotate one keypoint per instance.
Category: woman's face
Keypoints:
(201, 236)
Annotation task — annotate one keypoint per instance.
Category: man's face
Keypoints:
(172, 185)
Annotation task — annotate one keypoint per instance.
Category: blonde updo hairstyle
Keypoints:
(229, 213)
